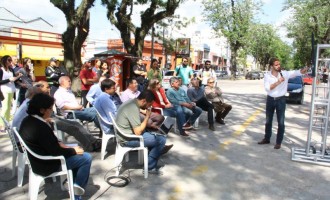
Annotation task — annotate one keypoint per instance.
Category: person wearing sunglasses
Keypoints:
(214, 95)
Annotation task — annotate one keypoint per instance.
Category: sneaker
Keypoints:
(221, 121)
(78, 191)
(186, 126)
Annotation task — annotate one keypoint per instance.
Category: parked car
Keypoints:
(252, 75)
(261, 74)
(166, 79)
(295, 91)
(307, 79)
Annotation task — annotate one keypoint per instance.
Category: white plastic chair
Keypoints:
(17, 155)
(35, 179)
(105, 137)
(122, 150)
(162, 113)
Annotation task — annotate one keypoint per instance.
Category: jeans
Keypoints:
(84, 101)
(87, 114)
(177, 112)
(76, 130)
(204, 104)
(80, 166)
(155, 144)
(279, 105)
(192, 114)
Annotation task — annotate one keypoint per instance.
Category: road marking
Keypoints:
(241, 129)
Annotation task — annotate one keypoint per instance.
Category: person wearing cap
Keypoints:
(88, 77)
(53, 73)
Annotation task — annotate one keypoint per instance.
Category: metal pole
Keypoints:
(152, 42)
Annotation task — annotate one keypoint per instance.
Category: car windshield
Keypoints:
(169, 73)
(295, 80)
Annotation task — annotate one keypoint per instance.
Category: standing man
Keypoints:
(128, 120)
(53, 73)
(206, 72)
(140, 74)
(185, 72)
(276, 84)
(88, 77)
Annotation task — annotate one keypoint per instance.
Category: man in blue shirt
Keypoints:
(184, 71)
(179, 99)
(95, 91)
(104, 103)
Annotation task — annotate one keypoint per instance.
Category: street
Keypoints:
(226, 164)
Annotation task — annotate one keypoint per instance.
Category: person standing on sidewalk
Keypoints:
(276, 84)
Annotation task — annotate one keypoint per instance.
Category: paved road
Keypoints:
(225, 164)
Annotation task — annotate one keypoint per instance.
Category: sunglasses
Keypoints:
(9, 60)
(211, 82)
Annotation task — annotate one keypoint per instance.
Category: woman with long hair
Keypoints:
(7, 87)
(104, 70)
(27, 79)
(154, 71)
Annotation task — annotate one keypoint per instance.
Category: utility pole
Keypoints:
(152, 42)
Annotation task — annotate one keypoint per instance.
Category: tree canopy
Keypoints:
(231, 19)
(77, 18)
(120, 15)
(309, 16)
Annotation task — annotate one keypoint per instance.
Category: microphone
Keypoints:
(280, 70)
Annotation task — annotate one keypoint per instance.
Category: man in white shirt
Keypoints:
(66, 101)
(276, 84)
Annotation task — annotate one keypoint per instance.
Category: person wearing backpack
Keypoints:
(206, 72)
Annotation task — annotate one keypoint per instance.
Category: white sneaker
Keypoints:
(76, 189)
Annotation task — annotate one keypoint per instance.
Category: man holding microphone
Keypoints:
(276, 84)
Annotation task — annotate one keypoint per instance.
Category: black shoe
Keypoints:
(264, 141)
(221, 121)
(97, 145)
(166, 149)
(184, 134)
(211, 127)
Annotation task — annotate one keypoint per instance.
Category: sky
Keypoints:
(101, 29)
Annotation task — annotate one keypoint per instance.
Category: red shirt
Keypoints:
(87, 74)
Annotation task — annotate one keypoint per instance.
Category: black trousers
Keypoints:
(205, 105)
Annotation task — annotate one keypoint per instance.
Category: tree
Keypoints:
(265, 43)
(120, 15)
(309, 16)
(77, 30)
(231, 19)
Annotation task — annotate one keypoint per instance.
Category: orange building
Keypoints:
(117, 44)
(29, 39)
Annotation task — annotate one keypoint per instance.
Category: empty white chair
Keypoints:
(17, 155)
(122, 150)
(35, 179)
(105, 137)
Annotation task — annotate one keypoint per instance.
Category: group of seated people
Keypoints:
(135, 113)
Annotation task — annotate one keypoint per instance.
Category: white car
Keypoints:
(166, 79)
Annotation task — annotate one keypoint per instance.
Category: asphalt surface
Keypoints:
(224, 164)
